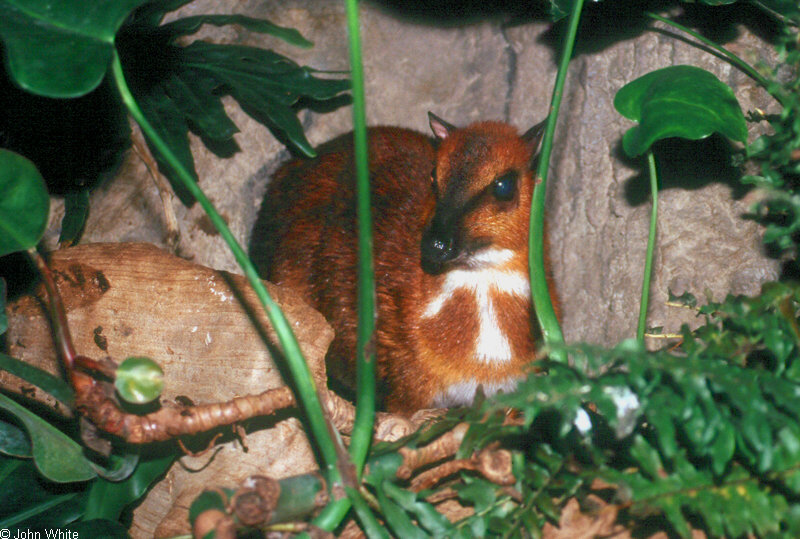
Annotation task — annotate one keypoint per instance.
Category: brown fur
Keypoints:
(306, 238)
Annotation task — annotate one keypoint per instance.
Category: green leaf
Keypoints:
(151, 13)
(24, 204)
(60, 49)
(76, 211)
(106, 529)
(722, 449)
(182, 87)
(399, 522)
(167, 120)
(686, 299)
(678, 101)
(45, 381)
(189, 25)
(13, 441)
(139, 380)
(120, 468)
(786, 8)
(427, 515)
(192, 92)
(560, 9)
(26, 499)
(265, 84)
(647, 457)
(107, 499)
(56, 455)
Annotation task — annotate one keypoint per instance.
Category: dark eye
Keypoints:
(504, 187)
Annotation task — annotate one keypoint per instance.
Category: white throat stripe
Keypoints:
(492, 345)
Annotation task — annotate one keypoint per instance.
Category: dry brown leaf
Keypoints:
(137, 300)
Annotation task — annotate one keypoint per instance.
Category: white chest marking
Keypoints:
(463, 393)
(492, 345)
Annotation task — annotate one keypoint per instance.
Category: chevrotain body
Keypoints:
(450, 221)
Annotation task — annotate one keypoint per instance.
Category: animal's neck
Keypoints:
(493, 277)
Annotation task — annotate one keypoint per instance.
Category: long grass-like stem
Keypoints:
(651, 241)
(301, 376)
(551, 330)
(731, 57)
(365, 351)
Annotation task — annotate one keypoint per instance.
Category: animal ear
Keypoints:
(533, 138)
(439, 127)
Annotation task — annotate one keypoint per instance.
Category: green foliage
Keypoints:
(778, 156)
(45, 381)
(99, 528)
(678, 101)
(57, 456)
(193, 79)
(788, 9)
(139, 380)
(64, 49)
(28, 501)
(24, 204)
(76, 211)
(106, 499)
(708, 434)
(60, 49)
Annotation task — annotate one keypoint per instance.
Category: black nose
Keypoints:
(436, 249)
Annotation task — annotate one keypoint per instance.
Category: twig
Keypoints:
(493, 464)
(173, 236)
(58, 316)
(663, 335)
(443, 447)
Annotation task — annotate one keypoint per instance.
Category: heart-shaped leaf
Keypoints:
(678, 101)
(63, 48)
(24, 204)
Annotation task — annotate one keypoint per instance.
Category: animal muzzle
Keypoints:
(437, 248)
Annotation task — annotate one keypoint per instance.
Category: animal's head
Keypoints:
(483, 183)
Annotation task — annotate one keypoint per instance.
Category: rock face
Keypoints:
(466, 68)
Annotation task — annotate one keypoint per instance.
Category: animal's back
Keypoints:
(306, 234)
(450, 228)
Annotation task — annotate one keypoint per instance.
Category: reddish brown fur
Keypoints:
(306, 238)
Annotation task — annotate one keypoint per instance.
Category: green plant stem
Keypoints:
(551, 330)
(304, 382)
(735, 60)
(372, 528)
(365, 350)
(651, 241)
(330, 517)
